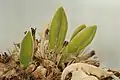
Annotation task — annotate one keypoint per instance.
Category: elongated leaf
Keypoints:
(26, 50)
(77, 30)
(79, 42)
(58, 29)
(62, 31)
(82, 39)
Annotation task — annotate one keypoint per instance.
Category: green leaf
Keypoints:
(82, 39)
(58, 30)
(79, 42)
(26, 50)
(77, 30)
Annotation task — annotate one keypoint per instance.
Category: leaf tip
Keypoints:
(94, 27)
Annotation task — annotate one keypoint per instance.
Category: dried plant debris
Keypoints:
(44, 69)
(83, 70)
(52, 57)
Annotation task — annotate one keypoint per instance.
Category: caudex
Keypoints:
(52, 57)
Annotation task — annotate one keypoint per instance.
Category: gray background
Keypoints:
(17, 15)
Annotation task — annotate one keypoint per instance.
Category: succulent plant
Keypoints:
(52, 57)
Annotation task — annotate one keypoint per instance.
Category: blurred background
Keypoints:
(17, 15)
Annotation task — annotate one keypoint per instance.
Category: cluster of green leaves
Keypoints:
(81, 37)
